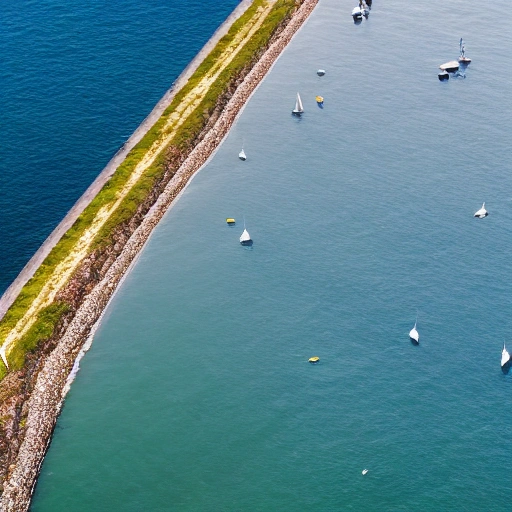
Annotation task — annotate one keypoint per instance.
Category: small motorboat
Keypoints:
(320, 101)
(462, 57)
(230, 221)
(364, 471)
(443, 75)
(314, 360)
(357, 13)
(450, 67)
(242, 155)
(482, 213)
(321, 72)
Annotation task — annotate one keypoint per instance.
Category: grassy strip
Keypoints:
(42, 330)
(188, 132)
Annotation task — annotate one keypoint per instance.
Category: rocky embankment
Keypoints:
(46, 398)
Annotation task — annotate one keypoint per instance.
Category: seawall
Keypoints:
(46, 400)
(9, 296)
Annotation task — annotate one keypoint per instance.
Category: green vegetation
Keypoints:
(41, 330)
(184, 139)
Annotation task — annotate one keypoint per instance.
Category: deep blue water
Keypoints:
(197, 395)
(76, 79)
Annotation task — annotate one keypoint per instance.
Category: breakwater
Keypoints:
(47, 398)
(9, 296)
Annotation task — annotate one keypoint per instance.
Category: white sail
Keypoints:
(245, 237)
(413, 333)
(481, 213)
(505, 356)
(298, 106)
(242, 155)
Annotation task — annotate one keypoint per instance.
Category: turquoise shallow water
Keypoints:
(197, 394)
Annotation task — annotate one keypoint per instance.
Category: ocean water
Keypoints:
(76, 79)
(197, 394)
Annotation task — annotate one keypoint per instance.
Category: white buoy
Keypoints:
(364, 471)
(480, 214)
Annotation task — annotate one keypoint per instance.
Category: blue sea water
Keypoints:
(197, 394)
(76, 79)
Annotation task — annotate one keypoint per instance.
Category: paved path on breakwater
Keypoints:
(33, 264)
(47, 399)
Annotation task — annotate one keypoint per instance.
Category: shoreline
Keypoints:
(46, 401)
(26, 273)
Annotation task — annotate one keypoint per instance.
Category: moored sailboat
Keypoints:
(462, 57)
(245, 238)
(506, 361)
(414, 334)
(299, 109)
(480, 214)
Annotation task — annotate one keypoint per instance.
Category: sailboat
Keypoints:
(414, 334)
(506, 360)
(462, 57)
(242, 155)
(245, 238)
(480, 214)
(299, 109)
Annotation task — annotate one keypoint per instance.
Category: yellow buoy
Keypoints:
(314, 359)
(230, 221)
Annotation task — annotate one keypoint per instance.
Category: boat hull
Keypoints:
(297, 113)
(444, 75)
(451, 66)
(506, 367)
(246, 243)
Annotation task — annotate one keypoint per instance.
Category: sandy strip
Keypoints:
(46, 401)
(33, 264)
